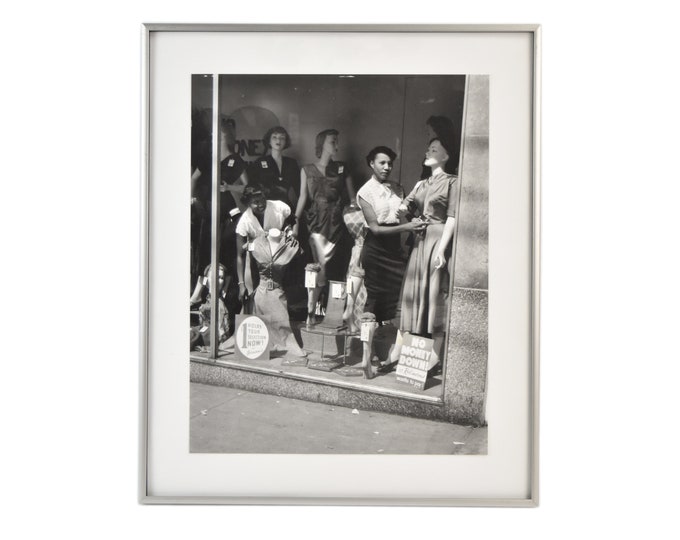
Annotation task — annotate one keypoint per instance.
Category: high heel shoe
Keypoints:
(386, 367)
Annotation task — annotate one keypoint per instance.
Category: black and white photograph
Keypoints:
(338, 293)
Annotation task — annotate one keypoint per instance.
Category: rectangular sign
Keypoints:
(337, 289)
(310, 279)
(415, 359)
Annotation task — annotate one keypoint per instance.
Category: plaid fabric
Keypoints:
(359, 304)
(354, 221)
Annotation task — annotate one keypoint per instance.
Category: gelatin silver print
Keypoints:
(338, 294)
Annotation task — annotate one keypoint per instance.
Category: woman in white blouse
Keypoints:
(382, 258)
(260, 216)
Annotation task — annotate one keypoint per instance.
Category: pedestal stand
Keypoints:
(329, 337)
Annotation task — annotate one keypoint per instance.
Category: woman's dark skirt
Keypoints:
(384, 265)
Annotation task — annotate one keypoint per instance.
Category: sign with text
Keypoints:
(252, 338)
(338, 289)
(414, 360)
(310, 279)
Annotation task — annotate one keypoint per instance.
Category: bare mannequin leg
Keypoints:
(348, 315)
(312, 299)
(368, 328)
(317, 245)
(395, 350)
(293, 348)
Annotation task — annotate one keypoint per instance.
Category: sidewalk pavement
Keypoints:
(226, 420)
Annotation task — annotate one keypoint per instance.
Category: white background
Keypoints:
(610, 362)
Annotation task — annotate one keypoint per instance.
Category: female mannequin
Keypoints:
(325, 187)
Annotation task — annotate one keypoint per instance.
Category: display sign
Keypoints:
(366, 327)
(248, 124)
(311, 272)
(338, 289)
(252, 338)
(415, 359)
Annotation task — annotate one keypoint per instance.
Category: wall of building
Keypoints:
(467, 360)
(472, 252)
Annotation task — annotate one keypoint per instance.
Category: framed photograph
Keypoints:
(340, 265)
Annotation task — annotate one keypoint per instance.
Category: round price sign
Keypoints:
(252, 337)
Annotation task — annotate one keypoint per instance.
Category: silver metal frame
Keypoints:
(532, 500)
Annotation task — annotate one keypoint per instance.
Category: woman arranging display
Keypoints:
(260, 216)
(382, 258)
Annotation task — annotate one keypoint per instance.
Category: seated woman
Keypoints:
(200, 335)
(228, 262)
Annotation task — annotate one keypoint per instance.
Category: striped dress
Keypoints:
(425, 289)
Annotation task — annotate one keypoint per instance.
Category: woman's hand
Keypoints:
(294, 231)
(439, 260)
(241, 292)
(401, 211)
(416, 225)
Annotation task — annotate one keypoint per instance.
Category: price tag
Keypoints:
(310, 279)
(337, 289)
(366, 328)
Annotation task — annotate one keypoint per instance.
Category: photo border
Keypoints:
(532, 500)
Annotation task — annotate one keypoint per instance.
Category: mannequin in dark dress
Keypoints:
(278, 174)
(325, 187)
